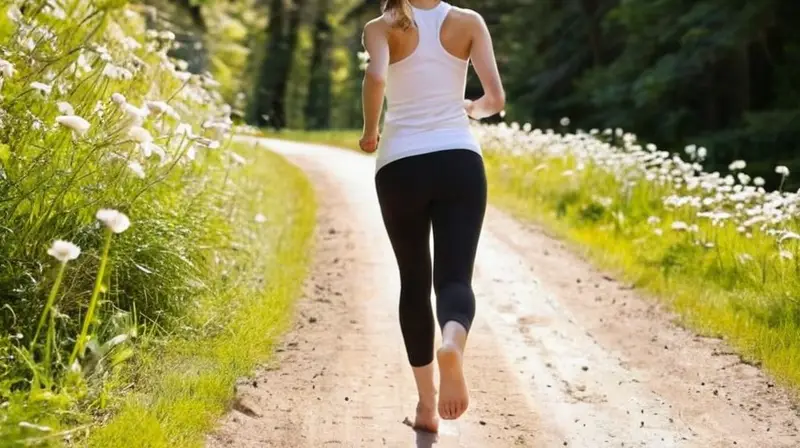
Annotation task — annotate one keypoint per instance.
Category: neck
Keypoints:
(424, 4)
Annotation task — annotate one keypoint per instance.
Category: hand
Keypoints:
(469, 107)
(369, 142)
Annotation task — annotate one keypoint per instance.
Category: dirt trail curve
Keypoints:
(560, 355)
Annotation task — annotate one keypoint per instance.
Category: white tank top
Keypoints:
(425, 97)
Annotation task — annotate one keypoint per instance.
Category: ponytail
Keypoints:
(400, 12)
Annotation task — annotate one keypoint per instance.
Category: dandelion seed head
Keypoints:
(116, 221)
(64, 251)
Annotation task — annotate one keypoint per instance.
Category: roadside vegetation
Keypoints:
(138, 247)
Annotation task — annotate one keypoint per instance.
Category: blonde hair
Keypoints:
(400, 11)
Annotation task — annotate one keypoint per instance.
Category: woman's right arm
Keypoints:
(493, 100)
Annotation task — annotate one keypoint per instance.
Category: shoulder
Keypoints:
(377, 26)
(468, 16)
(375, 31)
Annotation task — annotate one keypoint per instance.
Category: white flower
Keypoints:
(6, 69)
(114, 220)
(759, 182)
(260, 218)
(565, 121)
(653, 220)
(191, 152)
(782, 170)
(785, 254)
(137, 169)
(64, 251)
(64, 108)
(184, 129)
(137, 114)
(140, 134)
(237, 158)
(737, 165)
(679, 226)
(658, 232)
(119, 99)
(112, 71)
(789, 236)
(74, 122)
(502, 114)
(42, 88)
(161, 107)
(702, 152)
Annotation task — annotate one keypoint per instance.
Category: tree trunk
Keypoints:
(318, 104)
(262, 108)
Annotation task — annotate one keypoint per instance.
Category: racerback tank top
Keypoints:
(425, 97)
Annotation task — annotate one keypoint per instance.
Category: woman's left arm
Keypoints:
(374, 84)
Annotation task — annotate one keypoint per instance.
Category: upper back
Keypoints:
(455, 35)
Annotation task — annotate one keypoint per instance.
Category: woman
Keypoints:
(429, 172)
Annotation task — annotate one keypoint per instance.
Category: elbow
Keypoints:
(497, 101)
(375, 78)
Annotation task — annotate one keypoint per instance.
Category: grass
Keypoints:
(184, 387)
(721, 284)
(128, 233)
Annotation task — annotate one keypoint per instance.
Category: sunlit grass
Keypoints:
(183, 388)
(127, 223)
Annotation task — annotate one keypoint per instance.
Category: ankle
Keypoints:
(427, 402)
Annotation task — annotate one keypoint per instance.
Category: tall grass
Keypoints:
(100, 130)
(717, 246)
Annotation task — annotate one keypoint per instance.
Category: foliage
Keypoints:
(717, 246)
(101, 131)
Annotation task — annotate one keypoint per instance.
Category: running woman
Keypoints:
(430, 173)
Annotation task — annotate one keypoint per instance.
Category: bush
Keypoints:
(93, 118)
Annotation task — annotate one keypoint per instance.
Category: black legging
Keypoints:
(446, 189)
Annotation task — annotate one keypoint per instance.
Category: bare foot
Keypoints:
(426, 419)
(453, 394)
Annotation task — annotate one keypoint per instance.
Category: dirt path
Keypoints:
(560, 354)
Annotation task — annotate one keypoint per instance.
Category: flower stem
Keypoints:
(50, 301)
(87, 321)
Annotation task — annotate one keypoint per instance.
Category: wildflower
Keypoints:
(737, 165)
(658, 232)
(260, 218)
(789, 236)
(6, 69)
(137, 169)
(64, 108)
(786, 255)
(702, 153)
(759, 182)
(782, 170)
(117, 222)
(64, 251)
(161, 107)
(237, 158)
(135, 113)
(77, 124)
(119, 99)
(185, 130)
(42, 88)
(112, 71)
(565, 121)
(140, 134)
(653, 220)
(679, 226)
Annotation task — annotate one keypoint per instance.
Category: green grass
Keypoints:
(182, 388)
(753, 303)
(96, 115)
